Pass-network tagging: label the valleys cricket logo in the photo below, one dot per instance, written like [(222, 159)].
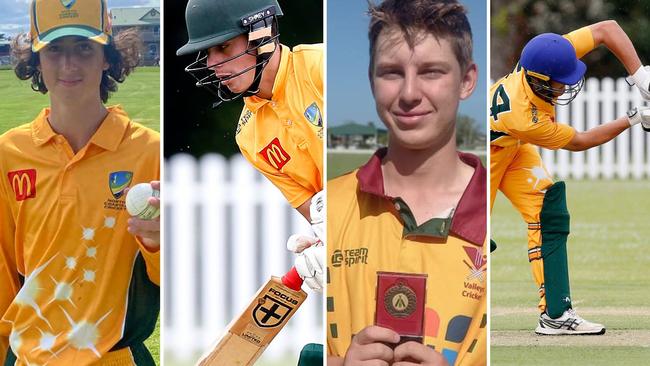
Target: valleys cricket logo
[(269, 312), (275, 155), (478, 264), (23, 182), (118, 182), (349, 257)]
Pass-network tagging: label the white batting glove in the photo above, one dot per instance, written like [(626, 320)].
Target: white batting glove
[(641, 78), (638, 115), (310, 259), (317, 213)]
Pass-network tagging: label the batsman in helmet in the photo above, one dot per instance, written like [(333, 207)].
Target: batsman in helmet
[(522, 118)]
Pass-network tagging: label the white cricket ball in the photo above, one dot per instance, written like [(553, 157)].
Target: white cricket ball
[(136, 201)]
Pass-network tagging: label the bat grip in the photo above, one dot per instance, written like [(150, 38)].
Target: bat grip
[(292, 279)]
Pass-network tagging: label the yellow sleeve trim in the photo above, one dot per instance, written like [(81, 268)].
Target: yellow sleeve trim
[(582, 40)]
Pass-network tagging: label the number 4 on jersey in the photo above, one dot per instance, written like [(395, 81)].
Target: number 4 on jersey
[(497, 108)]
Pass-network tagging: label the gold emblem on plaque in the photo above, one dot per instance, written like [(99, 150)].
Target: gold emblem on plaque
[(400, 300)]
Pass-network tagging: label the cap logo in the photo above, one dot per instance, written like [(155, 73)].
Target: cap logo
[(68, 3)]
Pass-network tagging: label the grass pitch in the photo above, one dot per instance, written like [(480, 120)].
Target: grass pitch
[(609, 271), (139, 95)]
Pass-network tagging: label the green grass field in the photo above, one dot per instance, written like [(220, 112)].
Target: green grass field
[(139, 95), (609, 271)]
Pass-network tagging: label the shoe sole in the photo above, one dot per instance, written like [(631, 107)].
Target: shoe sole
[(552, 332)]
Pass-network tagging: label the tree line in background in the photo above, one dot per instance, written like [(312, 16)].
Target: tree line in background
[(515, 22)]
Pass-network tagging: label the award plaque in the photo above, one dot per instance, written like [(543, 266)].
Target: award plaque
[(400, 301)]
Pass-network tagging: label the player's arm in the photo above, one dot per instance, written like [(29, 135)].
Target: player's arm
[(598, 135), (610, 34), (607, 131)]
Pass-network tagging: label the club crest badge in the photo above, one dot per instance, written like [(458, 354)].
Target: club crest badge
[(118, 182), (400, 300), (68, 3), (313, 115), (269, 312)]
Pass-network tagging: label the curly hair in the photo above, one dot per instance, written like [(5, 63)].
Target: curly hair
[(123, 53), (444, 19)]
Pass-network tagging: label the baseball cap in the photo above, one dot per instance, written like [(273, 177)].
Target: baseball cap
[(52, 19)]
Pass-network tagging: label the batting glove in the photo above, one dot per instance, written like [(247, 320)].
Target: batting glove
[(317, 213), (310, 259), (638, 115), (641, 78)]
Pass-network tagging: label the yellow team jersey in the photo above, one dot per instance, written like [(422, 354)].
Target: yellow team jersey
[(73, 281), (283, 137), (370, 232), (517, 115)]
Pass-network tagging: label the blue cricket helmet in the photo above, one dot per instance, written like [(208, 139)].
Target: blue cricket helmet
[(552, 55)]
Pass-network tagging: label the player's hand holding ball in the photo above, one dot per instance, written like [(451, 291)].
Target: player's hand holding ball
[(143, 204), (641, 78), (640, 115)]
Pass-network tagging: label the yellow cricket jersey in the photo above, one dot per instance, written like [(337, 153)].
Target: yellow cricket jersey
[(283, 137), (74, 283), (370, 232), (517, 115)]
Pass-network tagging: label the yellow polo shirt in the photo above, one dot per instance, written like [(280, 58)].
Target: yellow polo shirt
[(370, 232), (517, 115), (75, 283), (283, 137)]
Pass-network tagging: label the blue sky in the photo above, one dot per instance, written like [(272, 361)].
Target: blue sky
[(348, 89), (14, 16)]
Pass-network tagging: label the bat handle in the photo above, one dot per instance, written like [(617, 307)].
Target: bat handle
[(292, 279)]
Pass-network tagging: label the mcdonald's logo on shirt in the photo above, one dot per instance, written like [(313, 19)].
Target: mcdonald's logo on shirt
[(23, 183), (275, 155)]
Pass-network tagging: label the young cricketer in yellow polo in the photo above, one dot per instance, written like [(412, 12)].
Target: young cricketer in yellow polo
[(419, 205)]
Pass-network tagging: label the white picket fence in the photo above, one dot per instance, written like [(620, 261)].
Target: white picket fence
[(627, 156), (225, 234)]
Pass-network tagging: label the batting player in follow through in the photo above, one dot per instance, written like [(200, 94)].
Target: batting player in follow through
[(416, 209), (77, 286), (280, 130), (522, 117)]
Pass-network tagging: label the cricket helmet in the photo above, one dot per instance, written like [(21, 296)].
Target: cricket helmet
[(212, 22), (551, 57)]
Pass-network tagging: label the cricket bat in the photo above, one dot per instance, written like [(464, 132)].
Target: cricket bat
[(249, 334)]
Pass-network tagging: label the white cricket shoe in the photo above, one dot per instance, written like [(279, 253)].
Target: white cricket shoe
[(569, 323)]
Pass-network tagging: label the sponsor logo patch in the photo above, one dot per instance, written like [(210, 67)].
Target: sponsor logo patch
[(349, 257), (275, 155), (23, 182)]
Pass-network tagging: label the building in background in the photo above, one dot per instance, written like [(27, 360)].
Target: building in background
[(5, 49), (147, 21)]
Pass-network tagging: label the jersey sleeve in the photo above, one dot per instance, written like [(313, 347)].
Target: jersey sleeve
[(545, 133), (582, 40), (295, 194)]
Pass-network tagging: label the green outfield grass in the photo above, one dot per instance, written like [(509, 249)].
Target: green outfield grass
[(139, 95), (609, 268)]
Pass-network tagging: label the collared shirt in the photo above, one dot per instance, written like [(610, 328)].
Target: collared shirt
[(370, 232), (518, 115), (283, 137), (67, 262)]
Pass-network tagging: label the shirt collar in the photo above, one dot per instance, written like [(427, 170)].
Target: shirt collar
[(108, 136), (253, 103), (469, 219)]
